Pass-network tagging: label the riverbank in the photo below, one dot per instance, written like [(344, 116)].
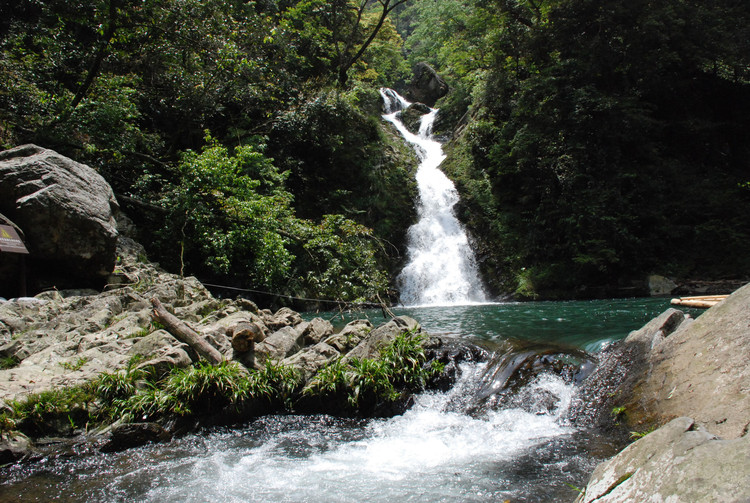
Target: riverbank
[(132, 382), (103, 367), (682, 386)]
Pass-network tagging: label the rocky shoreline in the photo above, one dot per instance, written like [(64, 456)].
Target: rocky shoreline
[(69, 339), (682, 386)]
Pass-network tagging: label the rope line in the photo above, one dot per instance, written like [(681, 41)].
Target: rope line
[(292, 297)]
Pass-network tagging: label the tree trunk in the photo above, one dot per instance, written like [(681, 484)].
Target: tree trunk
[(184, 333)]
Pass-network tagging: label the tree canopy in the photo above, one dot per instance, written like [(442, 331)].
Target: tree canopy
[(605, 140), (593, 142)]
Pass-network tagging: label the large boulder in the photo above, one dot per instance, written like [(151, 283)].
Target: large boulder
[(67, 212), (426, 85), (700, 371), (680, 463), (610, 386), (693, 373), (370, 346)]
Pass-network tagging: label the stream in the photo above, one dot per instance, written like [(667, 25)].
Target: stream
[(435, 452)]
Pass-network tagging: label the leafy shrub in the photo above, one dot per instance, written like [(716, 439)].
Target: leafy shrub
[(195, 390), (363, 382)]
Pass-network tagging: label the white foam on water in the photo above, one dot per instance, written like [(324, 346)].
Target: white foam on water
[(430, 453)]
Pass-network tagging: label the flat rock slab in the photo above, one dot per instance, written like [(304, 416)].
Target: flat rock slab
[(678, 463)]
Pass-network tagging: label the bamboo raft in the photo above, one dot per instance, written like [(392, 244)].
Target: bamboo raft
[(701, 301)]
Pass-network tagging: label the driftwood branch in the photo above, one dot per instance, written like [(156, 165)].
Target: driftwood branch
[(184, 333)]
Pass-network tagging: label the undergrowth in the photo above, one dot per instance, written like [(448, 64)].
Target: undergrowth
[(138, 394), (399, 368)]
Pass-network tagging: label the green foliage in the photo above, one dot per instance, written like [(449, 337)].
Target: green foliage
[(603, 138), (232, 212), (131, 87), (231, 209), (38, 411), (361, 383), (332, 146), (8, 362), (618, 410), (78, 365), (341, 261), (640, 434), (193, 391)]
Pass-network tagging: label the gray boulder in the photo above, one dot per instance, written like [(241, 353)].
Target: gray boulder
[(426, 85), (370, 346), (351, 335), (693, 370), (280, 344), (700, 371), (284, 317), (316, 330), (678, 463), (311, 359), (67, 213)]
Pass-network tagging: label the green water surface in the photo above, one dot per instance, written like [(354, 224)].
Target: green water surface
[(587, 325)]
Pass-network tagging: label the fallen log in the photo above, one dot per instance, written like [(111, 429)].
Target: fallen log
[(700, 301), (184, 333)]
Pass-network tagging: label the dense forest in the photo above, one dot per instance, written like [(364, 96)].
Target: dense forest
[(592, 142)]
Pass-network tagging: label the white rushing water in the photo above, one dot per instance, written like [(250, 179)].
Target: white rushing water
[(441, 269), (434, 452)]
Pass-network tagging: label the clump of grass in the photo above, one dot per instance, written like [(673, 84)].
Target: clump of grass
[(43, 412), (136, 394), (9, 362), (640, 434), (195, 390), (399, 368), (78, 365)]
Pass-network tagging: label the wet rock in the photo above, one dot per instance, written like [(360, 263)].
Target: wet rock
[(620, 366), (451, 352), (509, 373), (680, 463), (411, 117), (126, 436), (14, 446)]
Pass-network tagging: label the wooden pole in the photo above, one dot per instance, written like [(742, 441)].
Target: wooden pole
[(184, 333)]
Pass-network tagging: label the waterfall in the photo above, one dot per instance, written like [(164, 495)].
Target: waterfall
[(441, 268)]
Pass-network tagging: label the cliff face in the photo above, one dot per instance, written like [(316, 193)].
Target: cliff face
[(692, 375)]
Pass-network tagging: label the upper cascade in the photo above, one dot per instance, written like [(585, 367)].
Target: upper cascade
[(441, 268)]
